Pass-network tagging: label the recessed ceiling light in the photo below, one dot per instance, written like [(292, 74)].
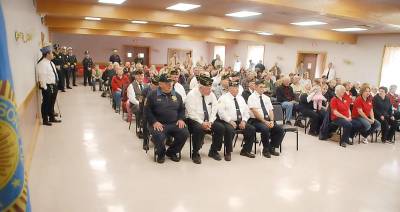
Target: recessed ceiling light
[(112, 1), (243, 14), (308, 23), (92, 18), (182, 25), (139, 22), (232, 30), (350, 29), (264, 33), (394, 25), (183, 7)]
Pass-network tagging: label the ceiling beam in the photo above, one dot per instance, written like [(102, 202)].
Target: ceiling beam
[(64, 9), (378, 13), (57, 22), (140, 35)]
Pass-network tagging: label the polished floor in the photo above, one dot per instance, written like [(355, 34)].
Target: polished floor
[(91, 162)]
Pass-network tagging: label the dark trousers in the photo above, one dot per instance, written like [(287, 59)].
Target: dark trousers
[(249, 133), (349, 128), (61, 78), (275, 133), (87, 77), (316, 119), (179, 135), (73, 73), (48, 101), (198, 133), (95, 82), (67, 74), (388, 127)]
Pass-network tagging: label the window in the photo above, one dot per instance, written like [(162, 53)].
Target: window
[(141, 55), (129, 54), (255, 54), (220, 50), (390, 73)]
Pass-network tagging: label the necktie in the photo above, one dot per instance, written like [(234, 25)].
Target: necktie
[(327, 75), (265, 112), (206, 116), (238, 114), (54, 72), (141, 87)]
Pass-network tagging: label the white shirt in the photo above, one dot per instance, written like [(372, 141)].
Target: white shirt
[(227, 109), (194, 106), (46, 74), (193, 83), (241, 89), (237, 66), (131, 95), (332, 74), (254, 103), (180, 90)]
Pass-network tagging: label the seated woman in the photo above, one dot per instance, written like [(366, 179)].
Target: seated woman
[(384, 114), (118, 82), (340, 114), (307, 109), (364, 114), (96, 77)]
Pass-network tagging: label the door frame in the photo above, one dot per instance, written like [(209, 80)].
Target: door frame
[(139, 46), (323, 63)]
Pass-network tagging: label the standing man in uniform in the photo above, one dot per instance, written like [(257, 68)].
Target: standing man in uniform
[(48, 78), (114, 58), (58, 61), (233, 113), (201, 106), (262, 118), (65, 69), (72, 66), (87, 67), (165, 114)]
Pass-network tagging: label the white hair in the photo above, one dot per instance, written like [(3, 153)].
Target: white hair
[(339, 88)]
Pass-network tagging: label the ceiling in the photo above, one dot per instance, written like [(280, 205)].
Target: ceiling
[(379, 16)]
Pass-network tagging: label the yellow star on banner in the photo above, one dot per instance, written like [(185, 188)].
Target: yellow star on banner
[(16, 183)]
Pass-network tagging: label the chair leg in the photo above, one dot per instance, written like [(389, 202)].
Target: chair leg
[(190, 145), (234, 144), (130, 123), (297, 140)]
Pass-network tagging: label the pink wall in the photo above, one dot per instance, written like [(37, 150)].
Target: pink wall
[(100, 47)]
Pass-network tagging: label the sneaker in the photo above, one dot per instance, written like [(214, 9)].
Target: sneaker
[(365, 140)]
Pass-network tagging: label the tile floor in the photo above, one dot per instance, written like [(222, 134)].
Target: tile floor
[(91, 162)]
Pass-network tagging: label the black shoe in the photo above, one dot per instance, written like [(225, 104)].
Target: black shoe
[(55, 121), (69, 87), (299, 124), (173, 157), (47, 123), (75, 85), (196, 158), (266, 154), (343, 145), (288, 123), (160, 159), (146, 146), (349, 142), (63, 90), (273, 152), (228, 157), (139, 134), (214, 155), (247, 154)]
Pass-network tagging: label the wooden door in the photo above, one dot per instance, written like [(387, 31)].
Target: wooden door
[(310, 63), (137, 53)]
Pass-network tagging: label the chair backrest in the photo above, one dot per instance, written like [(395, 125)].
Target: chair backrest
[(278, 113)]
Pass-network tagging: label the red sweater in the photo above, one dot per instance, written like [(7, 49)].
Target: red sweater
[(117, 82)]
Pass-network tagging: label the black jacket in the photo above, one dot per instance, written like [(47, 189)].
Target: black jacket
[(283, 96), (382, 107)]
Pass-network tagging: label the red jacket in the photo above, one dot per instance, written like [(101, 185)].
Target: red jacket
[(394, 100), (117, 82)]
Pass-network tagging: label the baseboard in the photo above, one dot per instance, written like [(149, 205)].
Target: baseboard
[(31, 149)]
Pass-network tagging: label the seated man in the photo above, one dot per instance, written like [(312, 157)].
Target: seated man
[(118, 82), (177, 87), (201, 107), (107, 76), (262, 118), (233, 113), (364, 114), (134, 93), (222, 88), (340, 114), (153, 86), (96, 77), (285, 95), (165, 114), (247, 92)]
